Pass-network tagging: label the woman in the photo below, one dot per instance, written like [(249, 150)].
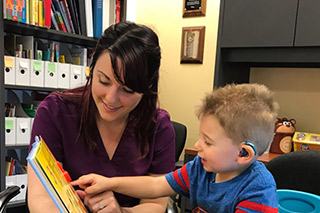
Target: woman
[(111, 126)]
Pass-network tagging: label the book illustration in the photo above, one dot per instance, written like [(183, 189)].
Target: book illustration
[(16, 10), (54, 178)]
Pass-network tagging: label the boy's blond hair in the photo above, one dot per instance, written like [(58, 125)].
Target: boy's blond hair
[(247, 112)]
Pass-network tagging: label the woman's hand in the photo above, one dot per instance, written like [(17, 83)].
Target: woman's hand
[(104, 202)]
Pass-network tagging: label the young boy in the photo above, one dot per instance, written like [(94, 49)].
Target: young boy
[(236, 126)]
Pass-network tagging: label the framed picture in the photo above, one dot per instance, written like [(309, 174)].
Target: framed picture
[(192, 8), (192, 44)]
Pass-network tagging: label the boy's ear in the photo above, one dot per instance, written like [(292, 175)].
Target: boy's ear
[(246, 154)]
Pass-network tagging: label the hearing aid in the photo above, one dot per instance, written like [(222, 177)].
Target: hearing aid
[(244, 152)]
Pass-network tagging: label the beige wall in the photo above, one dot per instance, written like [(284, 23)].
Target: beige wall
[(181, 85), (298, 92)]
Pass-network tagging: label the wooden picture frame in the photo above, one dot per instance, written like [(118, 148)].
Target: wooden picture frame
[(192, 44), (193, 8)]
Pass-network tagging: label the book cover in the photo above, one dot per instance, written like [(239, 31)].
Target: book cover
[(16, 10), (58, 9), (27, 12), (108, 11), (4, 5), (82, 18), (54, 178), (65, 17), (60, 21), (97, 18), (118, 11), (31, 12), (47, 13), (74, 16), (65, 7), (54, 22), (40, 13), (36, 12), (89, 22), (79, 55)]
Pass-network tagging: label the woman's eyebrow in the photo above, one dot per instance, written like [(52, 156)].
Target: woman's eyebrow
[(99, 71)]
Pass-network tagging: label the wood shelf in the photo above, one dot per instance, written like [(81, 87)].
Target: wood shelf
[(23, 29)]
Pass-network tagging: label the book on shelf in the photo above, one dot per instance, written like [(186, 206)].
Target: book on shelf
[(89, 22), (82, 18), (97, 17), (59, 9), (54, 21), (108, 12), (33, 12), (118, 11), (60, 21), (27, 11), (65, 9), (54, 178), (16, 10), (27, 46), (79, 55), (40, 13), (74, 15), (47, 13)]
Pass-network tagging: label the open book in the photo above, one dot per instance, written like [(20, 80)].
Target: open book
[(54, 178)]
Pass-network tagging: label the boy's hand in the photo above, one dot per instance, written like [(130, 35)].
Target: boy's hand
[(93, 183)]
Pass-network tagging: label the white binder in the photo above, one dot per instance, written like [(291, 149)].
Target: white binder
[(21, 181), (10, 131), (63, 76), (11, 181), (9, 70), (23, 71), (23, 131), (75, 75), (50, 76), (37, 73)]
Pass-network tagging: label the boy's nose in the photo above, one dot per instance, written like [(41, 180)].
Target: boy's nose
[(197, 145)]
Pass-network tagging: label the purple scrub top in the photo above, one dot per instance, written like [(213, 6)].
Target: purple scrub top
[(56, 121)]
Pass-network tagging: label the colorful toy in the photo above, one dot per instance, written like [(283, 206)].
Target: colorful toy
[(283, 133), (306, 141)]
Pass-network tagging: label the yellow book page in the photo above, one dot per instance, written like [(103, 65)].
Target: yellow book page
[(65, 191)]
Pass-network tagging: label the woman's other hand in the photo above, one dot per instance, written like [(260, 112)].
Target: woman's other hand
[(104, 202)]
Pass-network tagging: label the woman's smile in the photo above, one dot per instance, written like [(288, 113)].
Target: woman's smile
[(111, 108)]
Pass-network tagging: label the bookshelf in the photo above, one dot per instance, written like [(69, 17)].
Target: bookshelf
[(22, 29), (19, 28)]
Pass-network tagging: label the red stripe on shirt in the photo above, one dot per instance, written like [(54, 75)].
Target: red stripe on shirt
[(240, 211), (185, 175), (257, 207), (179, 181)]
